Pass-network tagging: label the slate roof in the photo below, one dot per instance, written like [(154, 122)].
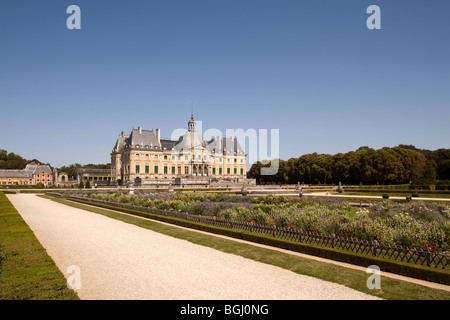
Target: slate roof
[(15, 173), (167, 144), (28, 172), (120, 144), (37, 168), (225, 145), (190, 139), (145, 139)]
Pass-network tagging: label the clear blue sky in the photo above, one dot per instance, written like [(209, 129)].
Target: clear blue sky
[(311, 69)]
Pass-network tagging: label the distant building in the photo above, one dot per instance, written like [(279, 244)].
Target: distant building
[(33, 174), (142, 157), (96, 177)]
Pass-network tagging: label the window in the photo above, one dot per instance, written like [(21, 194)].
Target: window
[(165, 157), (156, 169), (147, 169), (165, 169), (242, 171), (186, 158), (186, 170), (173, 170), (228, 170), (235, 170), (220, 170), (137, 169), (156, 157), (146, 157), (137, 156), (214, 171)]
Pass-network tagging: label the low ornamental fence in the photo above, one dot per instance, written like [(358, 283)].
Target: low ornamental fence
[(417, 256)]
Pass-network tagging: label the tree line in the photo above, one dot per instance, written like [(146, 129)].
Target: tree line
[(397, 165), (10, 160)]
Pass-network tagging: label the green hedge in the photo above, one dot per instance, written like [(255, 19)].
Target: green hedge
[(386, 265)]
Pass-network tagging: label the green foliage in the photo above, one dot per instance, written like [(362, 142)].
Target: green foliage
[(407, 269), (402, 164), (11, 160), (413, 224)]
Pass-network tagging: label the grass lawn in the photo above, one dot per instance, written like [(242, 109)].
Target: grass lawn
[(26, 270), (390, 288)]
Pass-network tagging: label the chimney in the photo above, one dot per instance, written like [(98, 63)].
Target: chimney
[(158, 136), (140, 130)]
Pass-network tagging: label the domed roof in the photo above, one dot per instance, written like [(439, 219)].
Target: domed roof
[(189, 140)]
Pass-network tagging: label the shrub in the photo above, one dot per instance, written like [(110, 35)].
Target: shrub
[(385, 196), (415, 223)]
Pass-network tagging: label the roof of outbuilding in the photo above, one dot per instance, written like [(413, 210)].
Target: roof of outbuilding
[(15, 173), (28, 172)]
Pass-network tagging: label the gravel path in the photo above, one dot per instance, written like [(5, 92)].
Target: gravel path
[(122, 261)]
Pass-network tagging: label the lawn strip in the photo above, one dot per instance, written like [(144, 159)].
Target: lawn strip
[(27, 272)]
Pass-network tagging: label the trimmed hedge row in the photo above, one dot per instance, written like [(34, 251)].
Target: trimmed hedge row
[(386, 265)]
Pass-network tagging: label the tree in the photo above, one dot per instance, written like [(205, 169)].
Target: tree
[(443, 169), (389, 168), (3, 155), (340, 168), (81, 185), (400, 164)]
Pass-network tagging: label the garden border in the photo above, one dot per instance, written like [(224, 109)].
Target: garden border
[(387, 265)]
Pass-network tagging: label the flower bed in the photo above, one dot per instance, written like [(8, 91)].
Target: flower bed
[(413, 224)]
